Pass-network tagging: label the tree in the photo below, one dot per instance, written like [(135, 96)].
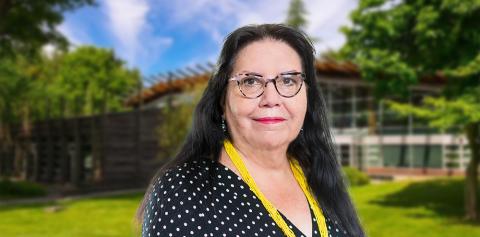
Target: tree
[(395, 43), (90, 80), (17, 91), (26, 26), (296, 15), (86, 81), (33, 87)]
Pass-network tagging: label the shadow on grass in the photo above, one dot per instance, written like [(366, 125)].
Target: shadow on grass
[(29, 206), (128, 196), (445, 197), (66, 202)]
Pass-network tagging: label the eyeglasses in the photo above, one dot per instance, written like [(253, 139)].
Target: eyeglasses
[(252, 85)]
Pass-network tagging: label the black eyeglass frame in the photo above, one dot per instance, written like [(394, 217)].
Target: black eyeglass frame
[(266, 81)]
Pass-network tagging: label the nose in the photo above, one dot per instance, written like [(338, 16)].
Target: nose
[(270, 96)]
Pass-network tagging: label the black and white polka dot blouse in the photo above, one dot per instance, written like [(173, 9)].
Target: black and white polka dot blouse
[(206, 198)]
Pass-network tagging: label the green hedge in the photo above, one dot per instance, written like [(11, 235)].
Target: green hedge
[(355, 177), (20, 189)]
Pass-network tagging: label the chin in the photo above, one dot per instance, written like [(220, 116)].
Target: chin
[(272, 141)]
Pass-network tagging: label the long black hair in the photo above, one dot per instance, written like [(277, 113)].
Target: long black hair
[(313, 148)]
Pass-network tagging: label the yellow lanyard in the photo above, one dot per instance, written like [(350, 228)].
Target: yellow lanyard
[(299, 176)]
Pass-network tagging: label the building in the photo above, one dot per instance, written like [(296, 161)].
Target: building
[(367, 133), (373, 138)]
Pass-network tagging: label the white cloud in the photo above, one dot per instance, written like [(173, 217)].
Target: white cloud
[(75, 35), (74, 32), (150, 50), (218, 18), (134, 25), (134, 36), (325, 19), (127, 18)]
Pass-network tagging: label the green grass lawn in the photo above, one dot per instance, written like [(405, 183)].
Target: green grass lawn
[(429, 208), (92, 217)]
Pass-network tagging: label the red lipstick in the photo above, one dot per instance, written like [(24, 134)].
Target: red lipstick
[(270, 120)]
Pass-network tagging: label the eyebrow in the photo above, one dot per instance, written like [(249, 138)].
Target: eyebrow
[(258, 74), (251, 73), (290, 72)]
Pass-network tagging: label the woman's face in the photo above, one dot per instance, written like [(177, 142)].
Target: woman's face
[(269, 121)]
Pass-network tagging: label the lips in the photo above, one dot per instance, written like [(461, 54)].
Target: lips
[(269, 120)]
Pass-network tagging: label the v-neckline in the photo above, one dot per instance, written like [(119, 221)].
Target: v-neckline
[(239, 178), (311, 220)]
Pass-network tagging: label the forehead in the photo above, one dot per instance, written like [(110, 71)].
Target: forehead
[(267, 56)]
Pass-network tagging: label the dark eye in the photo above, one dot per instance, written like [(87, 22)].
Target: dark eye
[(288, 80), (251, 81)]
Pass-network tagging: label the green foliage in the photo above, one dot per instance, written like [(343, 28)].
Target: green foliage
[(395, 44), (85, 81), (355, 177), (15, 82), (176, 120), (296, 15), (90, 80), (442, 113), (26, 26), (17, 94), (331, 55), (174, 127), (20, 189)]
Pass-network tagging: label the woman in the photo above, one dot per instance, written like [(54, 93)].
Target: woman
[(259, 159)]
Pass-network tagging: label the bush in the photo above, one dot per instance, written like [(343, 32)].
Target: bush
[(176, 120), (355, 177), (20, 189)]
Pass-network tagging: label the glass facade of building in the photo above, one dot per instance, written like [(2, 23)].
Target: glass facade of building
[(369, 134)]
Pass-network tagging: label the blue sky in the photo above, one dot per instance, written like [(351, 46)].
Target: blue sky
[(157, 36)]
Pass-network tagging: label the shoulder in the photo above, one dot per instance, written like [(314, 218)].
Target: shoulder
[(177, 196), (186, 174), (189, 175)]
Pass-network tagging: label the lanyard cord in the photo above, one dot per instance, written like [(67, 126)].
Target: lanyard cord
[(299, 176)]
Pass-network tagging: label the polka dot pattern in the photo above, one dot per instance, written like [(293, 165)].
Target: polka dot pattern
[(205, 198)]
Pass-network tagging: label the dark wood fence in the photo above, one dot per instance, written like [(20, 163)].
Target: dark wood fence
[(110, 151)]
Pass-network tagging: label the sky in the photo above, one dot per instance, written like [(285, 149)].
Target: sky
[(159, 36)]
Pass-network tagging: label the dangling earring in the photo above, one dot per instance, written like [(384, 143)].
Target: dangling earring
[(224, 127), (301, 131)]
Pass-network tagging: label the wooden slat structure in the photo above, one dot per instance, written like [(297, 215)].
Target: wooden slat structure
[(111, 151), (180, 80)]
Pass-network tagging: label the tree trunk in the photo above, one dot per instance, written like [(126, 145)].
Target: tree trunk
[(471, 180), (5, 148)]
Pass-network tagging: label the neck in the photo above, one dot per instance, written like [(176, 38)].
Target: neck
[(266, 161)]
